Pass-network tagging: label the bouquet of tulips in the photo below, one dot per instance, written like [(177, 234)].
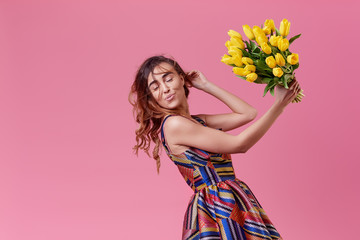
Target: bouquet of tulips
[(267, 60)]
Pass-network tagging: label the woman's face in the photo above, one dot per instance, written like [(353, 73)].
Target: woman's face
[(167, 86)]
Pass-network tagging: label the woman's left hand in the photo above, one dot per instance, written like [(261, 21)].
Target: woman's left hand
[(199, 81)]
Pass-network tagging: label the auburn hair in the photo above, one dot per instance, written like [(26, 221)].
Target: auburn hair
[(147, 112)]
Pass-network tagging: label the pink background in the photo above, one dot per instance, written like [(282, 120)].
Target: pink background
[(67, 170)]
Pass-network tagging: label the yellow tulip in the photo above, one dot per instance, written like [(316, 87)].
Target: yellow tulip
[(237, 60), (240, 71), (261, 39), (293, 59), (248, 32), (233, 33), (251, 77), (227, 59), (250, 68), (270, 61), (279, 59), (283, 44), (247, 61), (237, 42), (266, 48), (266, 30), (228, 44), (277, 72), (284, 27), (274, 40), (270, 24), (258, 31), (234, 51)]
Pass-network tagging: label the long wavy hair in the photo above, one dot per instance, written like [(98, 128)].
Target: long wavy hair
[(147, 112)]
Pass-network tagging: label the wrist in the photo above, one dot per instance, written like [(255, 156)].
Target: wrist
[(208, 87), (279, 106)]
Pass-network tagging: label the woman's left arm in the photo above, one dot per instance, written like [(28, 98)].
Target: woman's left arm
[(242, 111)]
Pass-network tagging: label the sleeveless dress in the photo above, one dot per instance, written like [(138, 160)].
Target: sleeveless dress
[(222, 206)]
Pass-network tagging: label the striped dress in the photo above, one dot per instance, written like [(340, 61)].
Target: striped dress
[(222, 206)]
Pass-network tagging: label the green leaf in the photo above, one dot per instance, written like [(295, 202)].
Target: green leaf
[(294, 38), (248, 46), (295, 66), (259, 80), (274, 50), (266, 80), (265, 91), (261, 65), (245, 53), (286, 69), (286, 79), (255, 56), (271, 85), (268, 74), (277, 32), (283, 54), (240, 77), (267, 88), (263, 56), (272, 91), (253, 45)]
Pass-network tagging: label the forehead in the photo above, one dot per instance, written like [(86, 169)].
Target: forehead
[(160, 69)]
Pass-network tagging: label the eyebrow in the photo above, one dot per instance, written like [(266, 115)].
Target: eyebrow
[(163, 76)]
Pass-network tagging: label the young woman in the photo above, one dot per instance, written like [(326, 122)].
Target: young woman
[(222, 206)]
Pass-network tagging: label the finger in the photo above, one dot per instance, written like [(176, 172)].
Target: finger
[(189, 85), (292, 86), (296, 86), (193, 73)]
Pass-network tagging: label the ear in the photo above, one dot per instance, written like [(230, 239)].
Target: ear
[(182, 80)]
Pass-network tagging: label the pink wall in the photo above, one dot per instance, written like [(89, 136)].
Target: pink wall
[(67, 170)]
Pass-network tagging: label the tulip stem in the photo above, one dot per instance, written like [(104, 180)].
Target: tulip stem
[(298, 97)]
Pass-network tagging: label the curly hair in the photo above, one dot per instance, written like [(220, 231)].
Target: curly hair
[(147, 112)]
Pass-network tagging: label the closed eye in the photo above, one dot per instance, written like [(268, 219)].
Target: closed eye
[(154, 86)]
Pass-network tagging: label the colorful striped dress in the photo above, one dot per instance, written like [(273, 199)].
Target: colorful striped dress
[(222, 206)]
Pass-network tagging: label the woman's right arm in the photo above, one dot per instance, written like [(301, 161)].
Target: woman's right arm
[(181, 131)]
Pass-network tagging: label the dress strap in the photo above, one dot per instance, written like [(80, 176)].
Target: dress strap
[(167, 149), (198, 119)]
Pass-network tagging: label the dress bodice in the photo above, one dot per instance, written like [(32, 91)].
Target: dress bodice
[(198, 167)]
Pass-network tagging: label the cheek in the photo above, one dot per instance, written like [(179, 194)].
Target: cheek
[(156, 97)]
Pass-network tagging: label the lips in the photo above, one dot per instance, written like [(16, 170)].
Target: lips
[(169, 97)]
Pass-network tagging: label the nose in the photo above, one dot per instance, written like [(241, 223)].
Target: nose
[(166, 88)]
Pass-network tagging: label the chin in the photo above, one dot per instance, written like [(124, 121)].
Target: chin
[(171, 106)]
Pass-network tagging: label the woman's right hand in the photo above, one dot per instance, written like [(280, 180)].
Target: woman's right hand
[(198, 79), (285, 96)]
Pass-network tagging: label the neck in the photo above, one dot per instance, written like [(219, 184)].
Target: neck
[(184, 110)]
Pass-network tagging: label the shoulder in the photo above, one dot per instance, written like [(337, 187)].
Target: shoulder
[(175, 122), (176, 125)]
